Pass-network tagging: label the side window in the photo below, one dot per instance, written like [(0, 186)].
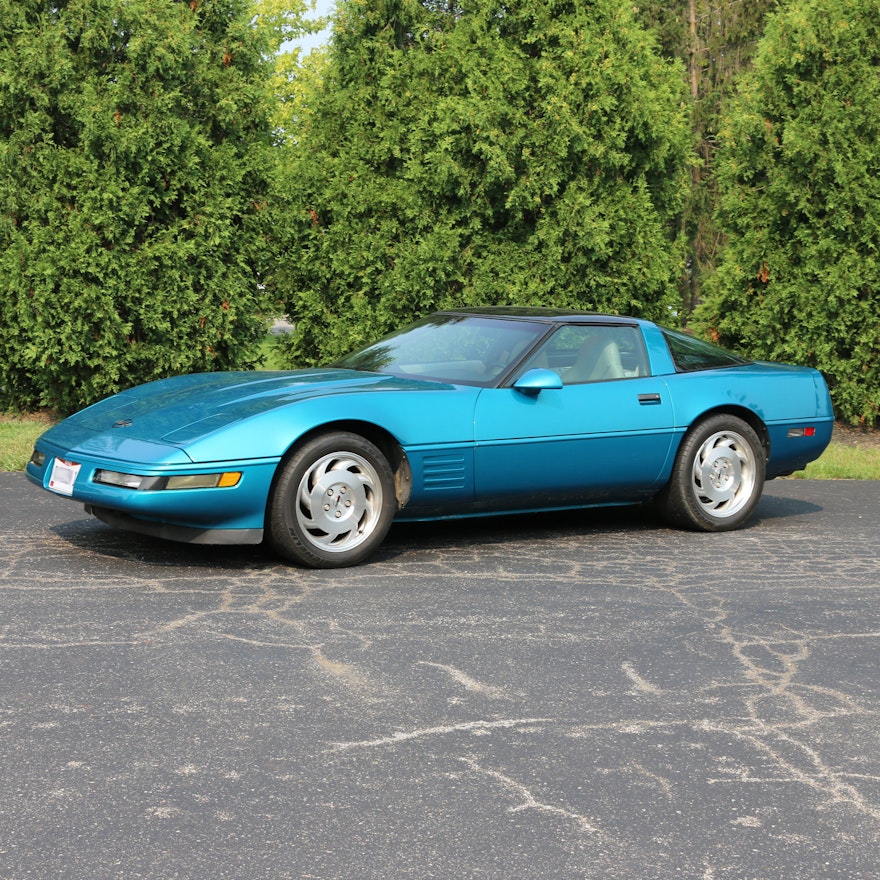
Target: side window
[(592, 353), (691, 354)]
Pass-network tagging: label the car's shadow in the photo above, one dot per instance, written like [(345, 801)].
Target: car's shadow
[(522, 528), (782, 507), (94, 537), (91, 536)]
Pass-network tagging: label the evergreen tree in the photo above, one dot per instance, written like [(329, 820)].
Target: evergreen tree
[(477, 153), (799, 172), (715, 40), (134, 139)]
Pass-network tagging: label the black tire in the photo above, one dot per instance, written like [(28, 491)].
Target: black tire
[(718, 476), (332, 503)]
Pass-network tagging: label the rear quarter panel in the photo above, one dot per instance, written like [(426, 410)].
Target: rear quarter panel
[(784, 398)]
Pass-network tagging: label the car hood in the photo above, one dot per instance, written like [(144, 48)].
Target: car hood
[(185, 408)]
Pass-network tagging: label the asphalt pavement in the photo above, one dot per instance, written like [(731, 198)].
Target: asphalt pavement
[(578, 695)]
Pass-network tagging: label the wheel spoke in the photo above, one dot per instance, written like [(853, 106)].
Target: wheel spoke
[(339, 501), (724, 474)]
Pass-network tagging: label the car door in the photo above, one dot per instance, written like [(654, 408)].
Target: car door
[(603, 436)]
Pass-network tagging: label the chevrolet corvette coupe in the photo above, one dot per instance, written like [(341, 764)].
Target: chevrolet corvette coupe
[(464, 413)]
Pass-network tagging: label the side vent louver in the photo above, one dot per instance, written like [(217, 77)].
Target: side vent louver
[(444, 472)]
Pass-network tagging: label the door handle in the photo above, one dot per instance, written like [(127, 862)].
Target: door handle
[(649, 399)]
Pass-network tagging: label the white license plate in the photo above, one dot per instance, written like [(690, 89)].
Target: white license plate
[(64, 474)]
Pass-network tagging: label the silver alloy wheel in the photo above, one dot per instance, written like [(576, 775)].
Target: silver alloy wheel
[(339, 501), (724, 474)]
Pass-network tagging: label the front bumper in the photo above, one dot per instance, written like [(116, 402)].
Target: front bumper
[(229, 514), (186, 534)]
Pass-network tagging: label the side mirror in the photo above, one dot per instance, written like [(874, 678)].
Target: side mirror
[(536, 381)]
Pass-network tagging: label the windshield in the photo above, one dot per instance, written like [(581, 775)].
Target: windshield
[(463, 350)]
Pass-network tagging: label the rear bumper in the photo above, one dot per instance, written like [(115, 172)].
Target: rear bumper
[(790, 451)]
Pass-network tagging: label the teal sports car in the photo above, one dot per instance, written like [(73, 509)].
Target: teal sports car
[(464, 413)]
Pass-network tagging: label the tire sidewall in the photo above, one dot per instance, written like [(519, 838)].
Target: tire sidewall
[(682, 506), (285, 532)]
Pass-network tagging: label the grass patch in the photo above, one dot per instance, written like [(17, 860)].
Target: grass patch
[(842, 461), (17, 436), (272, 354)]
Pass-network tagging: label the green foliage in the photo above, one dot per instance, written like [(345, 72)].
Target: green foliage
[(800, 178), (471, 153), (134, 172), (283, 21), (715, 40)]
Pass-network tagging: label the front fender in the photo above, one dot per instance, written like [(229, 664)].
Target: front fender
[(418, 418)]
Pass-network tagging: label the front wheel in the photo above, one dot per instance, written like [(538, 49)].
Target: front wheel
[(333, 502), (718, 476)]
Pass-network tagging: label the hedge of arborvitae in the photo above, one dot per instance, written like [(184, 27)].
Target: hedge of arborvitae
[(134, 140), (799, 171), (474, 154), (159, 173)]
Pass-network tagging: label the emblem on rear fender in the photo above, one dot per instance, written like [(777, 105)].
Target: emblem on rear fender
[(122, 423)]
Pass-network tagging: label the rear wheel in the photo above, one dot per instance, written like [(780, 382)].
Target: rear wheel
[(718, 476), (333, 502)]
